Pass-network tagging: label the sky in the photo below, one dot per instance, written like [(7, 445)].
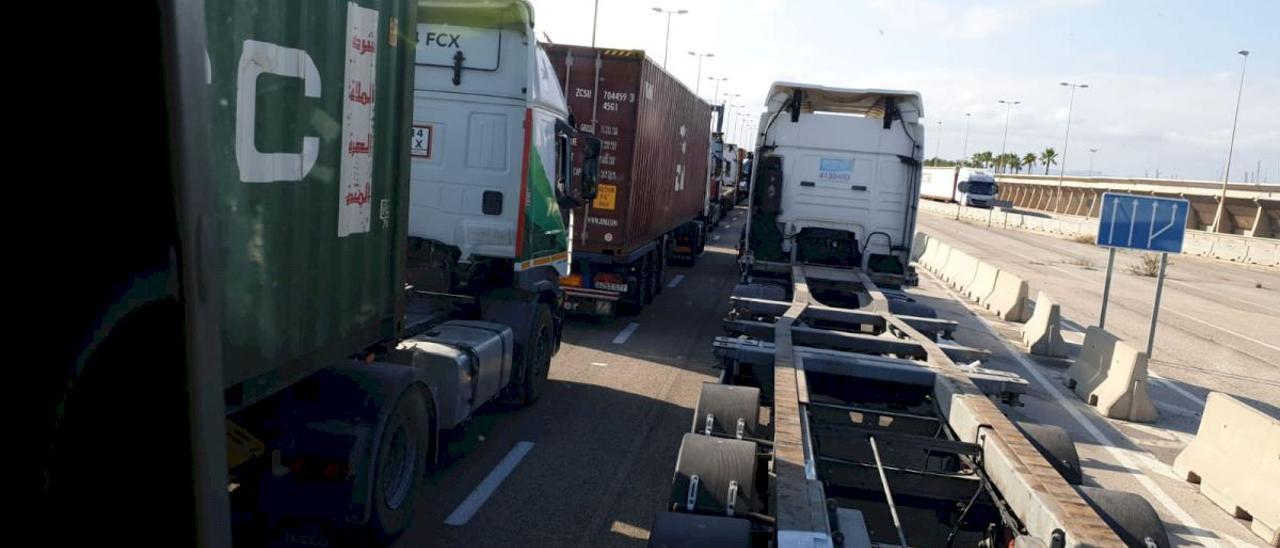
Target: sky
[(1163, 75)]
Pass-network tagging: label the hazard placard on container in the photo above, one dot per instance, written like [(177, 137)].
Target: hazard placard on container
[(606, 196), (420, 140)]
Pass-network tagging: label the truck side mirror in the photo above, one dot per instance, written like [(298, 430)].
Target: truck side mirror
[(797, 97), (963, 186), (565, 169), (590, 168)]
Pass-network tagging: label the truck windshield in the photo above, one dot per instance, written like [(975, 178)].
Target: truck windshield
[(981, 187)]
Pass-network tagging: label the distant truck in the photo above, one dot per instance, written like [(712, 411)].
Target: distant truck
[(371, 226), (964, 186), (650, 208), (725, 171)]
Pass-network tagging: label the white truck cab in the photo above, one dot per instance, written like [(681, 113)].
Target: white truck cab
[(491, 139), (836, 181), (976, 188)]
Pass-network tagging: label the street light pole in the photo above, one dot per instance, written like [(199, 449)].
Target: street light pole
[(716, 97), (595, 13), (964, 154), (1008, 111), (1092, 152), (1062, 167), (1226, 174), (666, 44), (937, 145), (697, 80)]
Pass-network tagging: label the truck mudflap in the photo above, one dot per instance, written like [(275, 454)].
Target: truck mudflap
[(600, 302)]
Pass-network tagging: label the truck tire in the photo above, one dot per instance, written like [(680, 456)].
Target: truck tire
[(1129, 515), (717, 463), (702, 241), (679, 530), (727, 404), (534, 358), (646, 279), (660, 263), (403, 454), (1055, 444)]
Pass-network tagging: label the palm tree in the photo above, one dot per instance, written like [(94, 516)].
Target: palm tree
[(1015, 162), (1048, 158), (982, 159), (1029, 160)]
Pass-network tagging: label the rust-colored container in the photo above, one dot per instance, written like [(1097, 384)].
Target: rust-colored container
[(655, 135)]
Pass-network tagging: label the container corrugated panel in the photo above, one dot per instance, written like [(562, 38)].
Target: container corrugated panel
[(309, 153), (655, 137)]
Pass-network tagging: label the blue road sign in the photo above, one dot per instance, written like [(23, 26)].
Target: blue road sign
[(1142, 222)]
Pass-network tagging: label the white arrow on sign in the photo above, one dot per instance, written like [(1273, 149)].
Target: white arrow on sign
[(1152, 232)]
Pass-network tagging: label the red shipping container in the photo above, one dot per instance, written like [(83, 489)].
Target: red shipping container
[(655, 138)]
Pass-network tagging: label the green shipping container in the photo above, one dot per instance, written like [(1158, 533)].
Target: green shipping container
[(311, 107)]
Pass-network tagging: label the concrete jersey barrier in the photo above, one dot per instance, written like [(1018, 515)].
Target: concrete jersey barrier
[(1235, 458), (960, 266), (940, 258), (1043, 332), (1008, 299), (984, 282), (1111, 375), (919, 245)]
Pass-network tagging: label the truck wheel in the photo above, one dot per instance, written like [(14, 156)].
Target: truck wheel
[(535, 358), (1129, 515), (725, 472), (646, 280), (660, 265), (726, 404), (402, 461), (1055, 444)]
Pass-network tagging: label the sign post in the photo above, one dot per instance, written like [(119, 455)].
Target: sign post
[(1144, 223)]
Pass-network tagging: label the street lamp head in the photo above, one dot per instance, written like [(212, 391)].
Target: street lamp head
[(709, 54), (659, 10), (1064, 84), (1082, 86), (1243, 52), (682, 12)]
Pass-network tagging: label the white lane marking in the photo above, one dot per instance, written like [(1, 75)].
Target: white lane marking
[(626, 333), (1166, 435), (600, 364), (1238, 542), (1175, 409), (1229, 332), (675, 281), (1124, 456), (1180, 390), (467, 510), (716, 237)]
